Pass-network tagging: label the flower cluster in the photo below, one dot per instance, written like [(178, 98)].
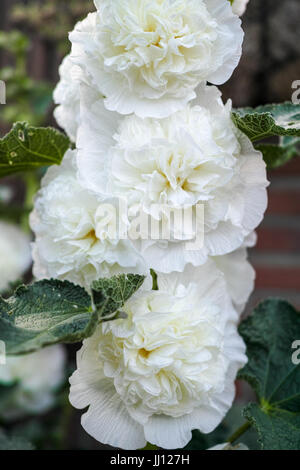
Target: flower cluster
[(153, 140)]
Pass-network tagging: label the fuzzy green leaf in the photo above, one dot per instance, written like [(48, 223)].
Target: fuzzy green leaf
[(277, 430), (45, 313), (269, 335), (268, 121), (50, 312), (117, 290), (27, 148), (278, 155)]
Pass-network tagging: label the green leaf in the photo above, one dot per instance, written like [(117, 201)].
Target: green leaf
[(268, 121), (50, 312), (27, 148), (277, 430), (278, 155), (117, 290), (45, 313), (269, 334), (14, 442)]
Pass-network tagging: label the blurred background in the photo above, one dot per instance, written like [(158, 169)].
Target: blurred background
[(33, 41)]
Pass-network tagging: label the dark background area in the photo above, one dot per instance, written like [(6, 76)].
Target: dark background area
[(269, 65)]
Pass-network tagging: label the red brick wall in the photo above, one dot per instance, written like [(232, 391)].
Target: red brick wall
[(277, 255)]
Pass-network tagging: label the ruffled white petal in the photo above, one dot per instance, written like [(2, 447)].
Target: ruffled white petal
[(239, 276), (107, 419), (239, 6)]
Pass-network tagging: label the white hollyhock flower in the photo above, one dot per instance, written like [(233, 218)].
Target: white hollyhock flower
[(196, 156), (167, 369), (75, 231), (15, 257), (37, 376), (147, 57), (239, 6)]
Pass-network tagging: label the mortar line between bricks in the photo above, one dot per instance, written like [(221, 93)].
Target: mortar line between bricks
[(275, 259)]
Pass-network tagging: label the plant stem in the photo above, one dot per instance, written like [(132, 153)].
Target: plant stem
[(154, 278), (32, 186), (239, 432), (66, 414)]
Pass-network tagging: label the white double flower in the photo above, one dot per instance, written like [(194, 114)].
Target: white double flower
[(148, 58), (165, 370)]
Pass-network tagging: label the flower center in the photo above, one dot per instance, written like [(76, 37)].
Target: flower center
[(144, 353), (91, 236), (175, 173)]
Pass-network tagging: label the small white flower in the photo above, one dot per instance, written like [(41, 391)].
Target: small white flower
[(239, 6), (167, 369), (148, 58), (15, 256), (36, 375), (195, 156), (74, 228)]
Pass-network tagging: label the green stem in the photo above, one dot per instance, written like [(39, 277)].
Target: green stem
[(66, 414), (239, 432), (154, 278), (32, 187)]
